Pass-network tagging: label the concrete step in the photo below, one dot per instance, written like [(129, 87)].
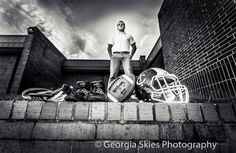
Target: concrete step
[(90, 126)]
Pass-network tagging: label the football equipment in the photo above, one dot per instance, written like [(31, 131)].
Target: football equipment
[(157, 85)]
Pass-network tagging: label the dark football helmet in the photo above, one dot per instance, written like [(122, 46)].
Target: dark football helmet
[(157, 85)]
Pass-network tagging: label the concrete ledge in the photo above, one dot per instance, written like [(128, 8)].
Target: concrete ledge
[(119, 112), (109, 131), (75, 130)]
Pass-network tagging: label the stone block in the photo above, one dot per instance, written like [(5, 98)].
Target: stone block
[(171, 131), (231, 132), (209, 112), (127, 132), (49, 111), (113, 111), (130, 111), (98, 111), (65, 131), (189, 133), (211, 132), (16, 130), (34, 109), (81, 111), (2, 146), (226, 112), (65, 111), (145, 112), (5, 109), (162, 112), (13, 147), (194, 112), (178, 112), (19, 109)]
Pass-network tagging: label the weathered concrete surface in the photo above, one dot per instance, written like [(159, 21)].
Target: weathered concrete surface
[(70, 131)]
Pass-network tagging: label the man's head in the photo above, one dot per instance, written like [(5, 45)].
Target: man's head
[(121, 26)]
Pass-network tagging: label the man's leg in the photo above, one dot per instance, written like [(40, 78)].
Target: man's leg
[(114, 67), (126, 63)]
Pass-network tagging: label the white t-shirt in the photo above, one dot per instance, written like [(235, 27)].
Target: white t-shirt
[(121, 42)]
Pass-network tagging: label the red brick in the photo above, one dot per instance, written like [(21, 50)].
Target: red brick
[(130, 111), (65, 111), (98, 111), (65, 131), (209, 112), (162, 112), (17, 130), (5, 109), (49, 111), (81, 111), (178, 112), (34, 109), (127, 131), (226, 112), (19, 109), (113, 111), (194, 112), (145, 112)]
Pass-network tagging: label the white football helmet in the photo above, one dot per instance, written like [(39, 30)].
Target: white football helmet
[(157, 85)]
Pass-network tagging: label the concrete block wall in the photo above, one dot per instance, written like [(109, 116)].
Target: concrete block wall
[(87, 126), (198, 41)]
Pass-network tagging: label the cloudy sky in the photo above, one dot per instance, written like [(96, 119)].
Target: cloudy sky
[(80, 29)]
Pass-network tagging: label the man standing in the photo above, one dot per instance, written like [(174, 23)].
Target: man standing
[(119, 51)]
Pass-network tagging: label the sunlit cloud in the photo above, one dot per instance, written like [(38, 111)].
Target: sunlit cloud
[(75, 30)]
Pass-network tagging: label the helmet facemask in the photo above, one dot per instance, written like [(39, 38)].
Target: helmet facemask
[(168, 89)]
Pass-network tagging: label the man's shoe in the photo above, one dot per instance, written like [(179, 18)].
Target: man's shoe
[(97, 92), (79, 93)]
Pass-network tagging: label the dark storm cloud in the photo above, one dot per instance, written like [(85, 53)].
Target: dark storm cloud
[(80, 28), (83, 11)]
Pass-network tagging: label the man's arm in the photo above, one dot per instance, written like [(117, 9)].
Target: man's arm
[(133, 50), (109, 49)]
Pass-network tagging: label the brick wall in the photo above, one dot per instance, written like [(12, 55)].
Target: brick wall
[(199, 46), (80, 126), (43, 68), (11, 47), (7, 65)]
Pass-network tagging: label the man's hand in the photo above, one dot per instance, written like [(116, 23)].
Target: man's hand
[(109, 50), (133, 50)]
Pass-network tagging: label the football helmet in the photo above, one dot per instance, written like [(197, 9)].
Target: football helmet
[(157, 85)]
